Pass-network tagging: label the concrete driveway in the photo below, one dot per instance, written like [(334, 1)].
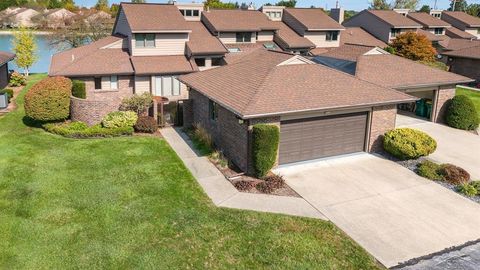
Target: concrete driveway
[(455, 146), (390, 211)]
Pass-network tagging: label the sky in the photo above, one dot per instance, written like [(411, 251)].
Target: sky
[(347, 4)]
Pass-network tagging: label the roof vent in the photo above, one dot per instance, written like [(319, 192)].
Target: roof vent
[(73, 57)]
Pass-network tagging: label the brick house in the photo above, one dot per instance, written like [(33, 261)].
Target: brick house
[(316, 118), (465, 61), (5, 57)]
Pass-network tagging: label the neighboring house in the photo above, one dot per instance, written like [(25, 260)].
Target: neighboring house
[(465, 61), (383, 24), (358, 36), (55, 18), (315, 25), (317, 118), (454, 32), (452, 44), (98, 15), (5, 57), (190, 11), (463, 21), (20, 17), (432, 27), (274, 13)]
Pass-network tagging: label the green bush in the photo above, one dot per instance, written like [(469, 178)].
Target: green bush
[(78, 89), (476, 185), (17, 79), (119, 119), (454, 174), (137, 103), (467, 189), (146, 124), (9, 92), (430, 170), (202, 138), (265, 147), (462, 114), (407, 143), (82, 130), (49, 99)]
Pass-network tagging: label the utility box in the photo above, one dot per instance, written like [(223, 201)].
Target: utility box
[(3, 101)]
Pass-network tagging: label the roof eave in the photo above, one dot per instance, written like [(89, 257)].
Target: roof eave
[(404, 87), (77, 75), (160, 31)]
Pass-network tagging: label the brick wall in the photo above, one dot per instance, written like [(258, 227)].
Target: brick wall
[(444, 95), (382, 120), (100, 102), (3, 76), (465, 67), (228, 134)]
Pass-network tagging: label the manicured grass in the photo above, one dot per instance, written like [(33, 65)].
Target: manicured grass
[(130, 203), (473, 95)]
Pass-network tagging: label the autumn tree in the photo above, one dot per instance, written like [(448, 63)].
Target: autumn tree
[(414, 46), (102, 5), (407, 4), (25, 47), (379, 4)]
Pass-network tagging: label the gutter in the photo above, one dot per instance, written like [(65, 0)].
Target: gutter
[(430, 85)]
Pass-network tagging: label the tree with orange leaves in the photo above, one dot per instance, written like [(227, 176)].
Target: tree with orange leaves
[(414, 46)]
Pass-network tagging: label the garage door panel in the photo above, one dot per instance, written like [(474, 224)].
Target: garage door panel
[(311, 138)]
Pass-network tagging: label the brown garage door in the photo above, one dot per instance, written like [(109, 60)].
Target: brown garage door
[(311, 138)]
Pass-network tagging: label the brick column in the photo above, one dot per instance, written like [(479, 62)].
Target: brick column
[(382, 120), (444, 96)]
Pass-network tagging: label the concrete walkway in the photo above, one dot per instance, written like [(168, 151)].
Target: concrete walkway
[(223, 193)]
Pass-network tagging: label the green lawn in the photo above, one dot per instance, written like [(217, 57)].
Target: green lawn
[(130, 203), (473, 95)]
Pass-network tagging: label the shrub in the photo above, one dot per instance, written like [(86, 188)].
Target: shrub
[(9, 92), (201, 135), (137, 103), (430, 170), (219, 158), (476, 185), (264, 187), (407, 143), (264, 147), (275, 181), (119, 119), (244, 185), (49, 99), (467, 189), (146, 124), (454, 174), (81, 130), (17, 79), (78, 89), (461, 113)]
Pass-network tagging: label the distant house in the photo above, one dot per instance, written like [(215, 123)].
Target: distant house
[(5, 57), (432, 27), (57, 18), (98, 15), (463, 21), (20, 17), (385, 25), (465, 61)]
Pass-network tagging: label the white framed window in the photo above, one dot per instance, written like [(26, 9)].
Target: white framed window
[(394, 32), (145, 40), (114, 82), (332, 36), (438, 31), (167, 86)]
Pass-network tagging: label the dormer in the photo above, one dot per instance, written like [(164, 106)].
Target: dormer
[(190, 11), (402, 11), (274, 13)]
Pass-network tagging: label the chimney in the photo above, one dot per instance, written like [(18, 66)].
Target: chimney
[(338, 14)]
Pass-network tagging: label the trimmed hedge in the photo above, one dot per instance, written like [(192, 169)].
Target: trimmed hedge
[(462, 114), (49, 99), (430, 170), (82, 130), (407, 143), (9, 92), (78, 89), (120, 119), (264, 147), (146, 124)]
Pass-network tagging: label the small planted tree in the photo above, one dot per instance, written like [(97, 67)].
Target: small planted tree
[(25, 47), (137, 103), (414, 46), (265, 148)]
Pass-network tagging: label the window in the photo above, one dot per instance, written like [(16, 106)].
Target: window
[(188, 13), (98, 83), (167, 86), (196, 13), (234, 50), (332, 36), (145, 40), (113, 82), (278, 14), (438, 31), (243, 37), (217, 61), (213, 110), (270, 46), (200, 62), (395, 32)]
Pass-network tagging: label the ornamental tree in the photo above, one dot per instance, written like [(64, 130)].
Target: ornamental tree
[(414, 46), (25, 47)]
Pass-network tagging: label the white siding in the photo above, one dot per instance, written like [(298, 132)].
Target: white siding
[(319, 39), (371, 24), (230, 37), (165, 44), (265, 36), (142, 84), (473, 31)]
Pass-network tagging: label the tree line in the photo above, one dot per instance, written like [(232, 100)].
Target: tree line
[(458, 5)]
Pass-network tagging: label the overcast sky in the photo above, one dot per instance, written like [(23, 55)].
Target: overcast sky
[(348, 4)]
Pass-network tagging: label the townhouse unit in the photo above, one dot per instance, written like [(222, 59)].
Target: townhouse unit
[(5, 57), (463, 21), (432, 27)]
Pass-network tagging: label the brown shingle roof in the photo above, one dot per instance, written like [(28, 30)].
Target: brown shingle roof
[(454, 32), (347, 52), (397, 72), (91, 60), (289, 39), (463, 18), (458, 43), (6, 57), (154, 17), (470, 52), (233, 20), (164, 64), (313, 19), (394, 19), (260, 86), (427, 20), (358, 36), (202, 41)]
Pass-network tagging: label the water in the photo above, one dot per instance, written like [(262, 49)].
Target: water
[(44, 53)]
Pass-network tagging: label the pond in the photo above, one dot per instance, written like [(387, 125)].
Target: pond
[(44, 52)]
